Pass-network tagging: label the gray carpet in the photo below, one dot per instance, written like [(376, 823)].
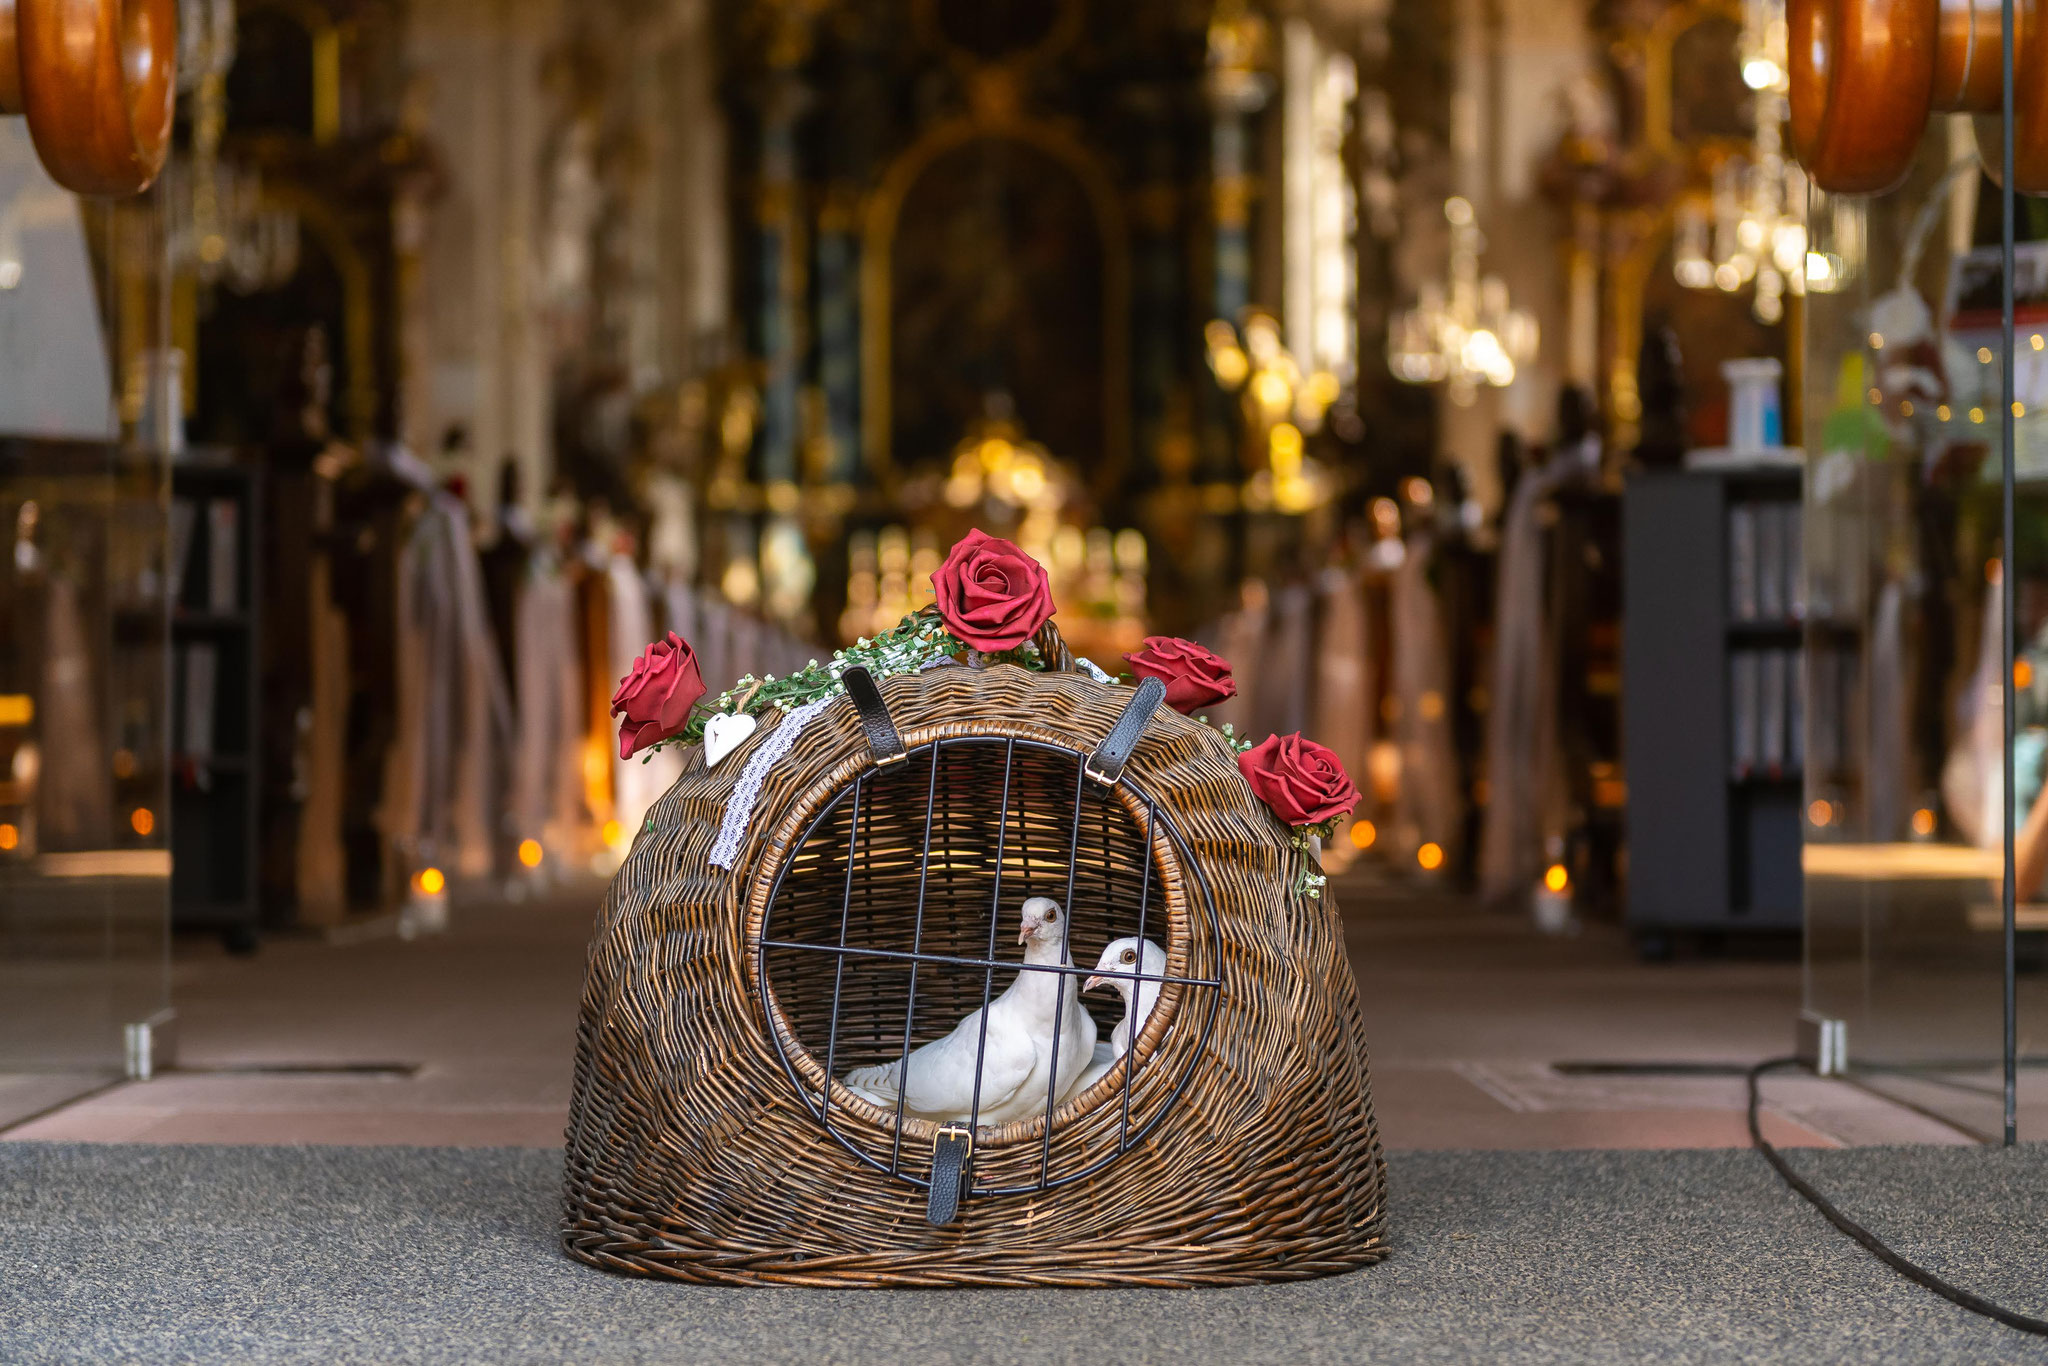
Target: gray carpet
[(331, 1255)]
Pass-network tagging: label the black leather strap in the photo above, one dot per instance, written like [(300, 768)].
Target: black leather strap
[(949, 1174), (1106, 764), (883, 741)]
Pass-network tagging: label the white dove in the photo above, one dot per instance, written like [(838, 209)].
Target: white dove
[(937, 1080), (1122, 956)]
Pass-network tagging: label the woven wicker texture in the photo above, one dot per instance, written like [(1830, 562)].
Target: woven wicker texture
[(692, 1154)]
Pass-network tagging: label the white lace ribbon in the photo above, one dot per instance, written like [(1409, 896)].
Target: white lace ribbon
[(739, 807)]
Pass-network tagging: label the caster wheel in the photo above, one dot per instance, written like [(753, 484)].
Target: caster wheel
[(95, 81), (1866, 74)]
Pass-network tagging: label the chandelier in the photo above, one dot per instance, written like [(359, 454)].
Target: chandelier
[(1462, 331), (222, 228), (1752, 225)]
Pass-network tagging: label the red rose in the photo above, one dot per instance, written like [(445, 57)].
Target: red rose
[(992, 595), (1301, 780), (655, 699), (1194, 677)]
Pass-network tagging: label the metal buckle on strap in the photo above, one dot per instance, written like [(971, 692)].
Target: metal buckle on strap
[(1096, 775), (952, 1150)]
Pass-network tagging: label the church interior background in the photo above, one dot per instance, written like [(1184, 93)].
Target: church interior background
[(463, 348)]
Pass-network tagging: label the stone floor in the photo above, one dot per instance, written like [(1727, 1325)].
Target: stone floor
[(466, 1038)]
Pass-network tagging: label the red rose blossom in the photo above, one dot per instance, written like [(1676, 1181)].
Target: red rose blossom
[(991, 595), (1194, 677), (1302, 781), (655, 699)]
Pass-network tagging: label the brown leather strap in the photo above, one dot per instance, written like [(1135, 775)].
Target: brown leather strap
[(949, 1174), (883, 741), (1106, 764)]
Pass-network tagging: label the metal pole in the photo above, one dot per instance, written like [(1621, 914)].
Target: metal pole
[(2006, 394)]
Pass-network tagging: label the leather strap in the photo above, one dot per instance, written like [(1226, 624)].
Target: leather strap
[(883, 741), (949, 1173), (1106, 764)]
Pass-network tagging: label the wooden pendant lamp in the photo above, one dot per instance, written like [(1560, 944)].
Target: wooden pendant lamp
[(97, 79), (1867, 74)]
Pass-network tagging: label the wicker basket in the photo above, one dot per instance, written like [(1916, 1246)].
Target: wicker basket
[(1234, 1143)]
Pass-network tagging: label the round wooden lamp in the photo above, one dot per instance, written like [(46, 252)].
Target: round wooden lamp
[(97, 80), (1867, 74)]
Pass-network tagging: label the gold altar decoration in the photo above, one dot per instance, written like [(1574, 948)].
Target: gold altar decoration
[(1281, 408)]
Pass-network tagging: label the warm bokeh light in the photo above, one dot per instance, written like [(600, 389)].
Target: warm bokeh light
[(1271, 391), (611, 832), (2022, 673), (9, 836), (1363, 833), (1383, 767), (1430, 856), (530, 853), (142, 820), (1923, 822), (1556, 878), (1821, 812), (1285, 443), (17, 709), (430, 882)]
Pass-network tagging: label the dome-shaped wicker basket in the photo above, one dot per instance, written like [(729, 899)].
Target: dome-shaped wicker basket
[(704, 1144)]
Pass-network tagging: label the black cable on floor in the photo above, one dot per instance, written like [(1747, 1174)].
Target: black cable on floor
[(1919, 1275)]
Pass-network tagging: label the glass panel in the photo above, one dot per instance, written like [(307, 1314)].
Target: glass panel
[(84, 757), (1904, 853)]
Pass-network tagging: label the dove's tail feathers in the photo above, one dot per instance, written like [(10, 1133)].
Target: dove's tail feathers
[(878, 1083)]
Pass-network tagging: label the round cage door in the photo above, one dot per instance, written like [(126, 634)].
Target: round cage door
[(953, 934)]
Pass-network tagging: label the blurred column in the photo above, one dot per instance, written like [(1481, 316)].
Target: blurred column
[(780, 258)]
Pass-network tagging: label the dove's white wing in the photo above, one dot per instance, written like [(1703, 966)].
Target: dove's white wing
[(938, 1081), (941, 1075)]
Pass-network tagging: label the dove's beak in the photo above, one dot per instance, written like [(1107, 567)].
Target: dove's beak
[(1024, 935), (1094, 982)]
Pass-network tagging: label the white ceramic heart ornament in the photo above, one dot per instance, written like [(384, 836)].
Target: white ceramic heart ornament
[(723, 733)]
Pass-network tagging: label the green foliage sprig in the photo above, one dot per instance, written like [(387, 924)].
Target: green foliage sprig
[(1311, 880), (1229, 733), (917, 641)]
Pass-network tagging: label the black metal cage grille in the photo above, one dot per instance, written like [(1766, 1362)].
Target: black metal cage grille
[(896, 916)]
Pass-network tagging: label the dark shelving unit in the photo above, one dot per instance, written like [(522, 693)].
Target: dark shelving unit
[(1714, 825), (214, 739)]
